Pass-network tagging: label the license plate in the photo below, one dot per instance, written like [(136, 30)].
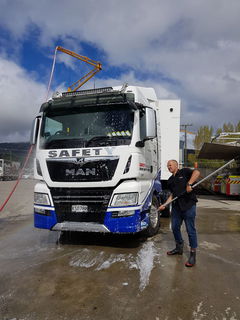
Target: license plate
[(79, 208)]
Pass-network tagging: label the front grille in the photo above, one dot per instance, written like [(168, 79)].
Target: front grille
[(95, 200), (82, 169)]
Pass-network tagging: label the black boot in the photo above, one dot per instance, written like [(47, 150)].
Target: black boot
[(192, 259), (177, 250)]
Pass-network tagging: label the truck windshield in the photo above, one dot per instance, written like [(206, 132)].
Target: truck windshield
[(86, 127)]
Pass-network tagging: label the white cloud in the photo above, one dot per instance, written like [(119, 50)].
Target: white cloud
[(130, 78), (192, 48), (21, 96), (20, 99)]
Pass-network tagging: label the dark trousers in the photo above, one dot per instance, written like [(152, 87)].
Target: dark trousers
[(188, 216)]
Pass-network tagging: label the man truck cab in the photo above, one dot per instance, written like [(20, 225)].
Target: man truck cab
[(100, 158)]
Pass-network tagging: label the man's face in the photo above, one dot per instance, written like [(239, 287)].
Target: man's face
[(172, 166)]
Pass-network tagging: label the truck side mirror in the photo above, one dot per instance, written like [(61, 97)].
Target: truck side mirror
[(148, 128), (151, 130), (34, 131)]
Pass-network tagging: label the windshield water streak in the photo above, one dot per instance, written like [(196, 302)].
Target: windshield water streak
[(86, 127)]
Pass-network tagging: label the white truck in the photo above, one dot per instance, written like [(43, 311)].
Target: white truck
[(101, 159)]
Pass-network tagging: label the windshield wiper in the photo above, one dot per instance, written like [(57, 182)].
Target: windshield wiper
[(101, 140), (64, 143)]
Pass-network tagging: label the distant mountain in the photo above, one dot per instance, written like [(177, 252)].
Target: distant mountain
[(16, 151)]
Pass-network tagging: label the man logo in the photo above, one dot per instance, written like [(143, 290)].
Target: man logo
[(80, 172), (79, 160), (75, 161)]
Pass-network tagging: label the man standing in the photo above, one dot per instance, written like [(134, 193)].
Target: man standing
[(183, 208)]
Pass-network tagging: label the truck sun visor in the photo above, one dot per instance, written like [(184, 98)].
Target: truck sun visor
[(111, 98)]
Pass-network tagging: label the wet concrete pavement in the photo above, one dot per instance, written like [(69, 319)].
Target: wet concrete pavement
[(45, 275)]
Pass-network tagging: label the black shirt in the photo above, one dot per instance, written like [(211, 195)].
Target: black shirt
[(177, 185)]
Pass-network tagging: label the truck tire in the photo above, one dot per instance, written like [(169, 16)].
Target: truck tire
[(163, 197), (154, 218)]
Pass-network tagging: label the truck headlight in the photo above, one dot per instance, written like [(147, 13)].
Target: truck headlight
[(41, 198), (124, 199)]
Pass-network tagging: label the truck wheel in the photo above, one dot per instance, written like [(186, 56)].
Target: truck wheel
[(154, 218)]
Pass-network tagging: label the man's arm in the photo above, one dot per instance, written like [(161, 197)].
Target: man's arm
[(195, 175), (163, 206)]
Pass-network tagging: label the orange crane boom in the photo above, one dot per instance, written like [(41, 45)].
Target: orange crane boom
[(97, 67)]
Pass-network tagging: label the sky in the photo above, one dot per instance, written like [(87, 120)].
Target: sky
[(187, 50)]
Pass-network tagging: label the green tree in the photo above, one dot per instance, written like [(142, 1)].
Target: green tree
[(218, 131), (237, 127), (228, 127), (204, 134)]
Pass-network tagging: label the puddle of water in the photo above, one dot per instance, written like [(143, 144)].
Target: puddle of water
[(143, 261), (209, 245), (200, 314)]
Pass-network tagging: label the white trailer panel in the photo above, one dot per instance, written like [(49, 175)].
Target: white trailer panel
[(168, 124)]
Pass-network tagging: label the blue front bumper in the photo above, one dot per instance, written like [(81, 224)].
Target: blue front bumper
[(130, 224)]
